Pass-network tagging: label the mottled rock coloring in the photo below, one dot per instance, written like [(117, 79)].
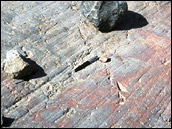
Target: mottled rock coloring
[(104, 15)]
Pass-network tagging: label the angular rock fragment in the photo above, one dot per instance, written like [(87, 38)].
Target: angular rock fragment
[(104, 15), (104, 59), (121, 87), (122, 98), (15, 65)]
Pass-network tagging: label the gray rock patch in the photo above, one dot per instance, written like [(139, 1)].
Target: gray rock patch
[(104, 15)]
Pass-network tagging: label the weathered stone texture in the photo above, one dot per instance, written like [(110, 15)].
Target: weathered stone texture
[(133, 89), (104, 15)]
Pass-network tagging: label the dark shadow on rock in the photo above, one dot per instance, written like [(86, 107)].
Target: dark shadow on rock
[(7, 121), (131, 20), (85, 64), (108, 60), (37, 70)]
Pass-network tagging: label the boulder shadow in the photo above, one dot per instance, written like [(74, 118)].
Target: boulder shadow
[(7, 121), (38, 71), (131, 20)]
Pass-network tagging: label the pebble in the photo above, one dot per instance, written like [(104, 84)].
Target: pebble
[(104, 59)]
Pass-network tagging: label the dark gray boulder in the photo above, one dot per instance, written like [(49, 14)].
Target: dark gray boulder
[(104, 15)]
